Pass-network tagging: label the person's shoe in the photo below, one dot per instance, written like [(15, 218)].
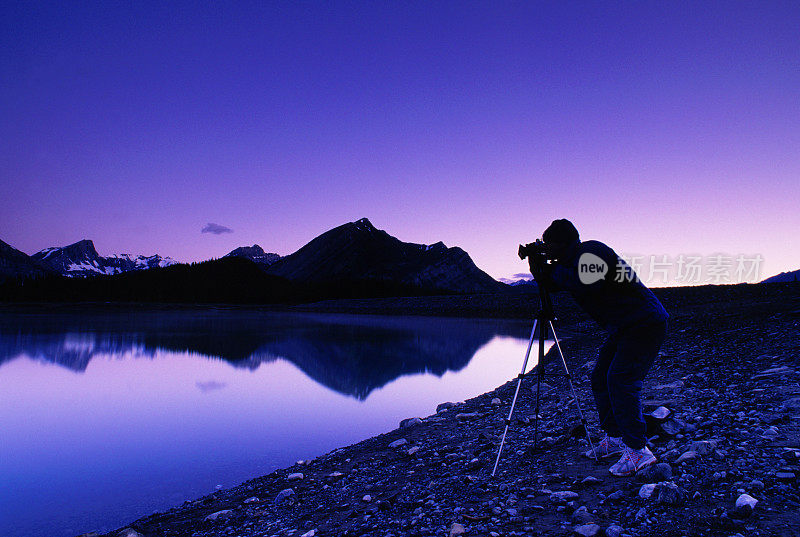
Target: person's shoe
[(632, 461), (607, 447)]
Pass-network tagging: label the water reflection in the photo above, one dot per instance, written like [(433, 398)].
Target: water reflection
[(351, 355), (109, 415)]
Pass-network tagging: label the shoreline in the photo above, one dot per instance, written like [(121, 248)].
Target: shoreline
[(732, 427)]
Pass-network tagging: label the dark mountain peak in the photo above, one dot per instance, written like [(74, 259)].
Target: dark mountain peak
[(256, 254), (358, 251), (14, 263), (246, 251)]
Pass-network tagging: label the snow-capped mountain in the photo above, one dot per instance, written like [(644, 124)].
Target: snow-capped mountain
[(128, 262), (256, 254), (81, 259), (359, 251)]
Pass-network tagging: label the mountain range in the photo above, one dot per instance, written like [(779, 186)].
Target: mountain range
[(82, 259), (354, 259)]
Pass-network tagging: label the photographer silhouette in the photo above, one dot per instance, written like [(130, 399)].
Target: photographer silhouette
[(611, 293)]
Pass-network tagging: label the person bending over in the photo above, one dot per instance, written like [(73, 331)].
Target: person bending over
[(636, 323)]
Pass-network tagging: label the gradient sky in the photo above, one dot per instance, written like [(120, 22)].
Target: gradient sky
[(659, 128)]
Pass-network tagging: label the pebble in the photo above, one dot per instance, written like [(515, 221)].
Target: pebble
[(284, 495), (410, 422), (646, 491), (295, 477), (660, 413), (587, 530), (686, 456), (563, 496), (457, 529), (614, 531), (219, 514)]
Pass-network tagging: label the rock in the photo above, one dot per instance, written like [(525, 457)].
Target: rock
[(786, 477), (367, 498), (791, 405), (496, 401), (614, 531), (464, 416), (672, 427), (285, 495), (646, 491), (441, 407), (774, 371), (335, 475), (413, 450), (410, 422), (677, 385), (702, 447), (590, 480), (252, 499), (311, 533), (669, 493), (399, 442), (661, 413), (587, 530), (687, 456), (563, 496), (757, 484), (582, 516), (295, 477), (744, 506), (615, 496), (128, 532), (213, 516), (457, 529), (655, 473)]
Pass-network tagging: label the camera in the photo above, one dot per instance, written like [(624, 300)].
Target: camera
[(534, 251)]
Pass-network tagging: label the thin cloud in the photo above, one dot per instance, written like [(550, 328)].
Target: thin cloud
[(216, 229), (523, 276), (210, 386)]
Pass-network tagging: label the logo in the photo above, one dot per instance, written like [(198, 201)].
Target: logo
[(591, 268)]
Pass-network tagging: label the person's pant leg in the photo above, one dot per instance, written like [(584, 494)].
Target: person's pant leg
[(637, 349), (600, 386)]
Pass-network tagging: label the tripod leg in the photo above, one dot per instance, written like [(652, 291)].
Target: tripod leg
[(574, 393), (539, 379), (516, 393)]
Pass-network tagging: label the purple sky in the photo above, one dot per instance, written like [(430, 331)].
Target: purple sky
[(659, 128)]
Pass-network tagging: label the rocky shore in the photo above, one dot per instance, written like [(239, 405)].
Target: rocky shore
[(723, 401)]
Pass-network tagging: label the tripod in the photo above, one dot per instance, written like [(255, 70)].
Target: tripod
[(543, 321)]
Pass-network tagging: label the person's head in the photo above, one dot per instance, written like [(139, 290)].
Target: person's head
[(559, 237)]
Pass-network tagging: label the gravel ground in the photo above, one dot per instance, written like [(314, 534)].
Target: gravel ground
[(725, 399)]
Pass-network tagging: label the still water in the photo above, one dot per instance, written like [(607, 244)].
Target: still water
[(107, 416)]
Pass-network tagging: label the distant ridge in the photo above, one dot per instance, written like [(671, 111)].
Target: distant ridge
[(16, 264), (359, 251), (792, 276)]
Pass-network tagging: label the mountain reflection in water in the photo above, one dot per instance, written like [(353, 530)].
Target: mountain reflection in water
[(109, 413), (352, 355)]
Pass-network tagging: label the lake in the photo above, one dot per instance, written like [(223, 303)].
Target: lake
[(110, 414)]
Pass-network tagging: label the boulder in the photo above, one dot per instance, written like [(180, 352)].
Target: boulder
[(285, 496)]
